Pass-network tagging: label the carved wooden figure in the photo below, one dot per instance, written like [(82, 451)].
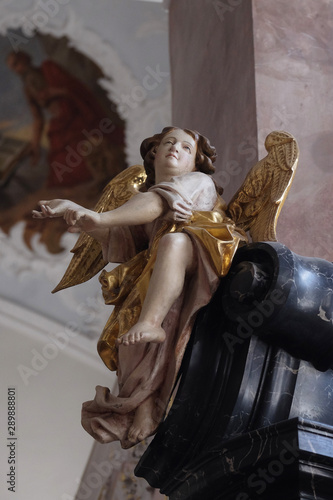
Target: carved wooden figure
[(175, 238)]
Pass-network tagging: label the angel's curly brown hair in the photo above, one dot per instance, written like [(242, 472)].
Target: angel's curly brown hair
[(204, 159)]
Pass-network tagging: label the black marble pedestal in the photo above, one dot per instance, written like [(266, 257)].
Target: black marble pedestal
[(250, 419), (290, 460)]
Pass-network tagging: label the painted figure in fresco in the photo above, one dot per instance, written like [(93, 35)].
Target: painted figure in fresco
[(72, 112), (168, 226)]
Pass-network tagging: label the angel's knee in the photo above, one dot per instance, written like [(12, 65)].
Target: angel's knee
[(176, 246), (175, 242)]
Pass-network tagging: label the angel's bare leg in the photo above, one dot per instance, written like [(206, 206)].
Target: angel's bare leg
[(174, 259)]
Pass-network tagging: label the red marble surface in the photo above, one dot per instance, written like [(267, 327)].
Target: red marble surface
[(213, 88), (240, 72), (294, 68)]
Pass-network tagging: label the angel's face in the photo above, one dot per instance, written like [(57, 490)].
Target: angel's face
[(175, 155)]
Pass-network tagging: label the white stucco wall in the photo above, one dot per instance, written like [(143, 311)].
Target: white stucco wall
[(51, 377)]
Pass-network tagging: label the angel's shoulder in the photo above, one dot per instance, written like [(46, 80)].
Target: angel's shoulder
[(197, 179)]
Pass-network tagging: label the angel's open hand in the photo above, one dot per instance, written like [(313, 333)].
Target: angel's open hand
[(81, 220), (52, 208)]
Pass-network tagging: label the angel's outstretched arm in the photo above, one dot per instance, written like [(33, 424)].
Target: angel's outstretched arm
[(141, 209), (64, 208), (53, 208)]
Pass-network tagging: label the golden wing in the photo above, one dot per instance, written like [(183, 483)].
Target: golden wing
[(87, 260), (257, 204)]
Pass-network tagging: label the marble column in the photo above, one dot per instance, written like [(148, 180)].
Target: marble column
[(213, 85), (241, 69), (294, 91)]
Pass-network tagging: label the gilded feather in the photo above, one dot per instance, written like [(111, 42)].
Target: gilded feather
[(256, 205)]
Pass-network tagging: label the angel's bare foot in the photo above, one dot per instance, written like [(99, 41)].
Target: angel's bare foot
[(143, 425), (142, 333)]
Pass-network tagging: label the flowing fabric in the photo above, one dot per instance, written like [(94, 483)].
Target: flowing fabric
[(150, 370)]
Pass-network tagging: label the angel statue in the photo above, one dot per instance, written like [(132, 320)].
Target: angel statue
[(174, 237)]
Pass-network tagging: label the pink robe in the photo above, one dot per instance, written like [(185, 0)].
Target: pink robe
[(146, 370)]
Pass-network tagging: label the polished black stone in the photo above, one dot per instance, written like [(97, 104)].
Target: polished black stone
[(292, 309), (248, 385)]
